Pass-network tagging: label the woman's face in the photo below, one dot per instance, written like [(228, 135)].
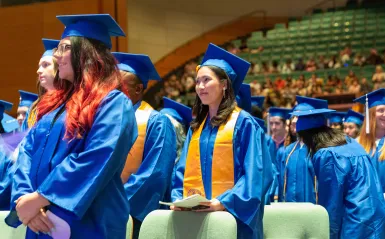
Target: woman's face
[(208, 87), (380, 116), (351, 130), (63, 57), (46, 72)]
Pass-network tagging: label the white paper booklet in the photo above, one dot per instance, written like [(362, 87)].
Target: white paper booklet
[(189, 202)]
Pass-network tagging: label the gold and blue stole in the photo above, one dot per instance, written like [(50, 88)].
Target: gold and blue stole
[(222, 160), (135, 156)]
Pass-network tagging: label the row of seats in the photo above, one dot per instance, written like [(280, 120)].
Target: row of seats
[(281, 220)]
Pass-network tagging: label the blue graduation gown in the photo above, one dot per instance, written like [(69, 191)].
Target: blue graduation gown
[(6, 172), (81, 178), (380, 165), (146, 187), (272, 153), (349, 189), (299, 173), (252, 173)]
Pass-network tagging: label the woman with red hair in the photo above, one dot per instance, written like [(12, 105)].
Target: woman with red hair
[(67, 180)]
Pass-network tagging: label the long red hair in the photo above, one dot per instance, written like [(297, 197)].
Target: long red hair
[(95, 75)]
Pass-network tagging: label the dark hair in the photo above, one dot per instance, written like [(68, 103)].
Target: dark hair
[(225, 108), (256, 112), (2, 131), (322, 137)]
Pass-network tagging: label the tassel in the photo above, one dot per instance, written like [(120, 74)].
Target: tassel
[(268, 123), (367, 114)]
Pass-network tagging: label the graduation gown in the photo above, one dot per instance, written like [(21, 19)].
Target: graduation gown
[(252, 173), (274, 185), (81, 178), (380, 164), (349, 189), (297, 182), (6, 173), (148, 185)]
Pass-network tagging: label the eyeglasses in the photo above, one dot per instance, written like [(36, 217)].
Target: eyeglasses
[(61, 49)]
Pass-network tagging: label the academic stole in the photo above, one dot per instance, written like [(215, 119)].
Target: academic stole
[(135, 156), (285, 177), (222, 160)]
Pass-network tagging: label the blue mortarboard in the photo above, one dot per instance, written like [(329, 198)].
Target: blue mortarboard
[(244, 97), (374, 98), (370, 100), (9, 123), (258, 101), (140, 65), (336, 117), (310, 119), (49, 44), (307, 103), (99, 27), (27, 98), (261, 123), (279, 112), (178, 111), (354, 117), (235, 67)]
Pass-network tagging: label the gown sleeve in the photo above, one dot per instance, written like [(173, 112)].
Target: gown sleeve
[(178, 176), (331, 179), (77, 180), (148, 185), (245, 200)]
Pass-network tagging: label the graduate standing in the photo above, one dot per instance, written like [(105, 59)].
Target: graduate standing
[(353, 123), (277, 124), (149, 165), (373, 133), (297, 182), (225, 156), (348, 186), (73, 157)]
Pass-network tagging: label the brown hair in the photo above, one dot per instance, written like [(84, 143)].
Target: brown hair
[(225, 108), (368, 141)]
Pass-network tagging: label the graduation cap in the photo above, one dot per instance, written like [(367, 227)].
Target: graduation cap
[(307, 103), (244, 97), (178, 111), (27, 98), (258, 101), (49, 44), (235, 67), (310, 119), (9, 123), (99, 27), (140, 65), (261, 123), (370, 100), (336, 117), (283, 113), (354, 117)]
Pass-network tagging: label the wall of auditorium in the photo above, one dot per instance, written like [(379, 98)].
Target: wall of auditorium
[(158, 27)]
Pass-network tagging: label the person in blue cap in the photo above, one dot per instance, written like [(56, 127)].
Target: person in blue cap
[(245, 102), (353, 123), (223, 146), (67, 178), (336, 120), (26, 101), (149, 165), (347, 183), (297, 181), (373, 131), (277, 125), (46, 71)]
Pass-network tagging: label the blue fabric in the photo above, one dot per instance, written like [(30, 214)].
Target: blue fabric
[(139, 65), (258, 101), (27, 98), (309, 119), (379, 164), (252, 173), (279, 112), (49, 44), (95, 26), (180, 112), (299, 175), (349, 189), (336, 117), (80, 178), (375, 98), (146, 187), (244, 97), (9, 123), (235, 67), (354, 117), (6, 173)]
